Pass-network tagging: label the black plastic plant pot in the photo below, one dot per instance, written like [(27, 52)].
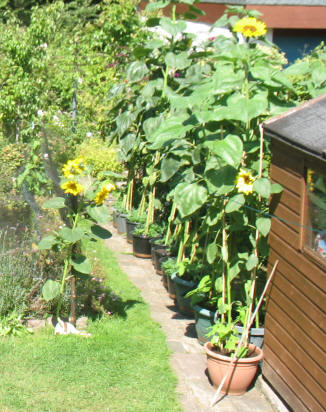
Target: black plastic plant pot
[(121, 223), (182, 287), (205, 319), (152, 242), (141, 247), (159, 252), (131, 226)]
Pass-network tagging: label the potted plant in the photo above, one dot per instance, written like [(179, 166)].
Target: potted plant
[(134, 219), (141, 239)]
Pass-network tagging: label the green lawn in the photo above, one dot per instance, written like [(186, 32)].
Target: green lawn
[(123, 366)]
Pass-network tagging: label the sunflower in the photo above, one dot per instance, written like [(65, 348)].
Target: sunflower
[(73, 167), (72, 187), (103, 193), (250, 27), (244, 182)]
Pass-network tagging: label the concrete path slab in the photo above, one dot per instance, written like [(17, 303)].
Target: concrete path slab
[(188, 359)]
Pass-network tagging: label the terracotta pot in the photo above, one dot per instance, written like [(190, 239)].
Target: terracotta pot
[(241, 373), (141, 246)]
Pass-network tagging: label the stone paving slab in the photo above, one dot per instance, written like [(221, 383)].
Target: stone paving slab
[(188, 359)]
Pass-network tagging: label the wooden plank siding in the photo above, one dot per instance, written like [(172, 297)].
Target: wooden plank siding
[(295, 324)]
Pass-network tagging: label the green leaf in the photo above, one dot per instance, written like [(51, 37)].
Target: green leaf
[(211, 252), (263, 225), (55, 203), (189, 198), (100, 232), (177, 61), (156, 5), (81, 264), (47, 242), (221, 181), (252, 262), (169, 167), (172, 27), (169, 130), (50, 289), (276, 188), (262, 186), (99, 213), (235, 203), (136, 71), (71, 235), (230, 149)]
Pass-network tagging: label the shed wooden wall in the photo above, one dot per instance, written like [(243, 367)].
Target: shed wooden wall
[(295, 324)]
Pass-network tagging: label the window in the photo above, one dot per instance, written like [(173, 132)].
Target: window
[(316, 199)]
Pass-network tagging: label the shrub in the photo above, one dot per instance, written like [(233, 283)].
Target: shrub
[(100, 156)]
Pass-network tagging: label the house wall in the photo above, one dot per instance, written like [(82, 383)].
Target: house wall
[(295, 324)]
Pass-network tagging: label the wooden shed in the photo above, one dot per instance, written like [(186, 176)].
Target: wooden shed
[(295, 324)]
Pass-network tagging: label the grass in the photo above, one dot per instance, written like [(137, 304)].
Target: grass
[(123, 366)]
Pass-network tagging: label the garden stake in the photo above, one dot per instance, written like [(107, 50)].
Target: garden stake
[(234, 357)]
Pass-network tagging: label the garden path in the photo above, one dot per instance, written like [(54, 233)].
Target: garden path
[(188, 359)]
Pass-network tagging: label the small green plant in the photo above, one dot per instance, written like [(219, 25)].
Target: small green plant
[(154, 230), (12, 325)]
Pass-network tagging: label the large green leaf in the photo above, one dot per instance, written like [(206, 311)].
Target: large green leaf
[(99, 213), (150, 126), (189, 197), (263, 187), (230, 149), (177, 61), (169, 167), (50, 289), (244, 109), (263, 225), (252, 262), (54, 203), (136, 71), (172, 27), (71, 235), (47, 242), (169, 130), (81, 264), (156, 5), (221, 181), (235, 203), (128, 143), (211, 252), (100, 232)]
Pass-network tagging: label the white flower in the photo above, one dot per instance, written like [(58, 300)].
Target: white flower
[(89, 134), (55, 119), (46, 155), (44, 46), (40, 113), (80, 80)]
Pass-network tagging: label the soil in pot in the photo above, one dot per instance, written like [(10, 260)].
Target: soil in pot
[(130, 228), (141, 247), (182, 287), (205, 319), (240, 374)]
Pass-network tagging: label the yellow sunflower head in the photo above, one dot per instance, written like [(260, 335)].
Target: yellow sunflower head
[(250, 27), (72, 187), (73, 167), (103, 193), (244, 182)]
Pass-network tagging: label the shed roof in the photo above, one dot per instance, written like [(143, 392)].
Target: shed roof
[(269, 2), (303, 127)]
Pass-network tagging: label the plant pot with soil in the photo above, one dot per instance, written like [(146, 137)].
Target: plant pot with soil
[(141, 240)]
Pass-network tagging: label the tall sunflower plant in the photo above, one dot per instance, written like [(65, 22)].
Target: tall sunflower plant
[(82, 202)]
